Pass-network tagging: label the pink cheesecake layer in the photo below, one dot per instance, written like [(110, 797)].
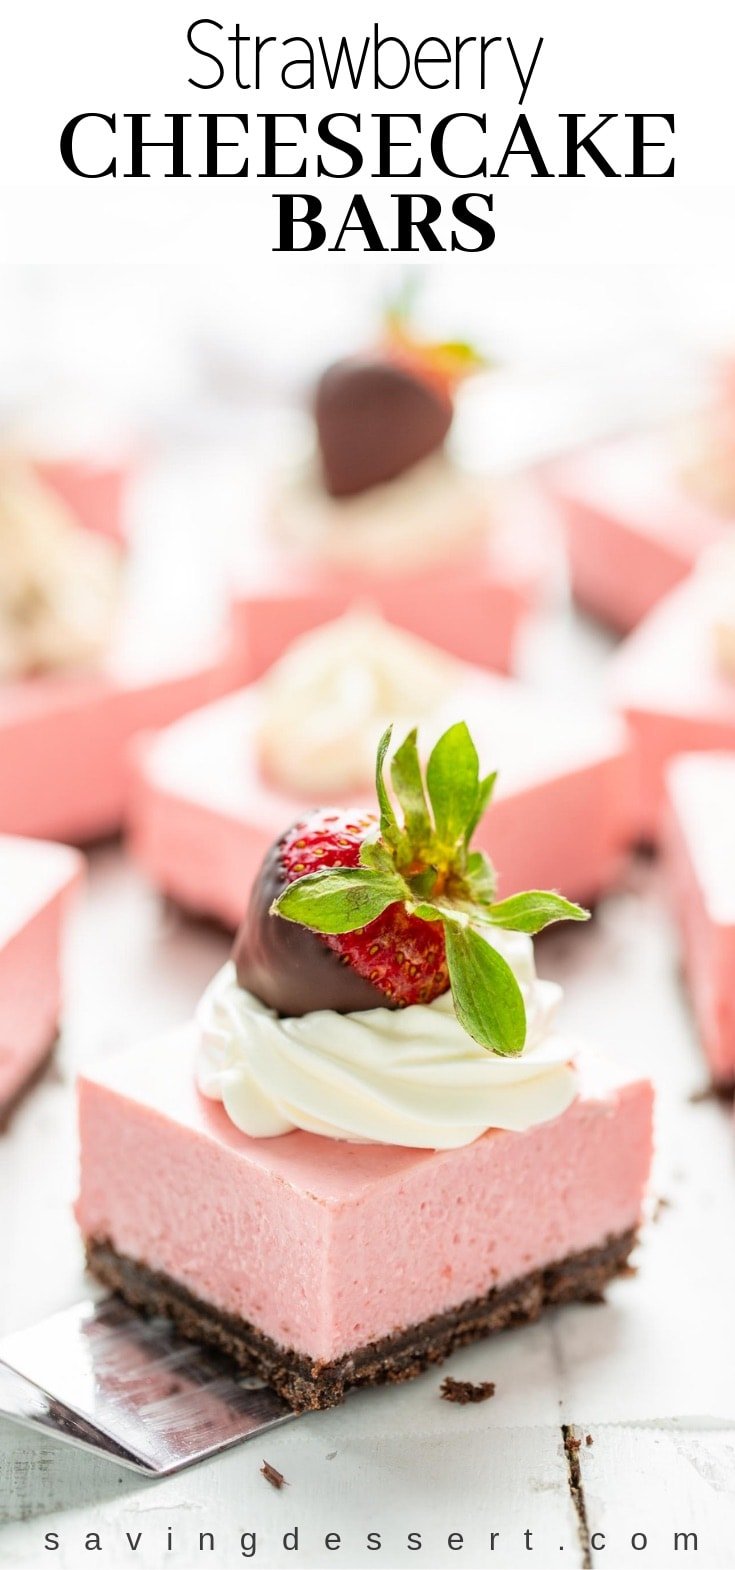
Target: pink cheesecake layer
[(94, 492), (473, 604), (633, 529), (701, 858), (666, 681), (36, 883), (324, 1245), (64, 741), (202, 816)]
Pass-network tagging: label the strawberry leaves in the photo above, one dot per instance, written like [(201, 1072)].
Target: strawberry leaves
[(482, 802), (533, 911), (480, 878), (487, 997), (408, 784), (340, 899), (388, 821), (426, 866), (455, 358), (452, 777)]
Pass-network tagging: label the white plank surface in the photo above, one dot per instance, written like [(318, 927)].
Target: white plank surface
[(653, 1484), (338, 1481)]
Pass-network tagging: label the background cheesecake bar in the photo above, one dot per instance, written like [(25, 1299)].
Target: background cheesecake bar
[(202, 813), (701, 855), (633, 530), (36, 883), (670, 685)]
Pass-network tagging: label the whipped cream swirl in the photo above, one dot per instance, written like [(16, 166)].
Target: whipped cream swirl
[(420, 519), (325, 704), (411, 1077)]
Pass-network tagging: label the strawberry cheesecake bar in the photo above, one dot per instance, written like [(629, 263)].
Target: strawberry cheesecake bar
[(80, 452), (673, 679), (700, 846), (71, 696), (635, 525), (375, 1144), (36, 884), (208, 794), (382, 510), (95, 491)]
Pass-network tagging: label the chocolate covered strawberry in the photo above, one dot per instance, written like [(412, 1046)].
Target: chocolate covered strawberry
[(354, 911), (392, 961), (374, 420), (378, 414)]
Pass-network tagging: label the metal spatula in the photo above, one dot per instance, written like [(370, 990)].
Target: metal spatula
[(130, 1388)]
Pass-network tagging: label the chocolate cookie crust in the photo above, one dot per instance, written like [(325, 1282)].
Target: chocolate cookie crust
[(307, 1384)]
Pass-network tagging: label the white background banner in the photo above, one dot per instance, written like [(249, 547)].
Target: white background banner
[(653, 60)]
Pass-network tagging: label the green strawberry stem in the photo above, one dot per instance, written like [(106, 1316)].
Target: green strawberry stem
[(398, 313), (425, 863)]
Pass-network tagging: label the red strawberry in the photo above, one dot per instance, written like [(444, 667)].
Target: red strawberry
[(350, 911), (327, 837), (393, 961)]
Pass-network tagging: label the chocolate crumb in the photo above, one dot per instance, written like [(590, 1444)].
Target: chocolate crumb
[(463, 1391), (712, 1092), (588, 1439), (703, 1093), (272, 1475), (572, 1443), (661, 1204)]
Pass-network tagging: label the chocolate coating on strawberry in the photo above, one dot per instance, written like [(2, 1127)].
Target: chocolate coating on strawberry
[(375, 420), (290, 968), (391, 962)]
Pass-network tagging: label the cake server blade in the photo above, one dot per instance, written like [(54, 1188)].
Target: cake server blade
[(101, 1376)]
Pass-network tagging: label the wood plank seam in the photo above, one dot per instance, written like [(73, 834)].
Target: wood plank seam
[(572, 1445)]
